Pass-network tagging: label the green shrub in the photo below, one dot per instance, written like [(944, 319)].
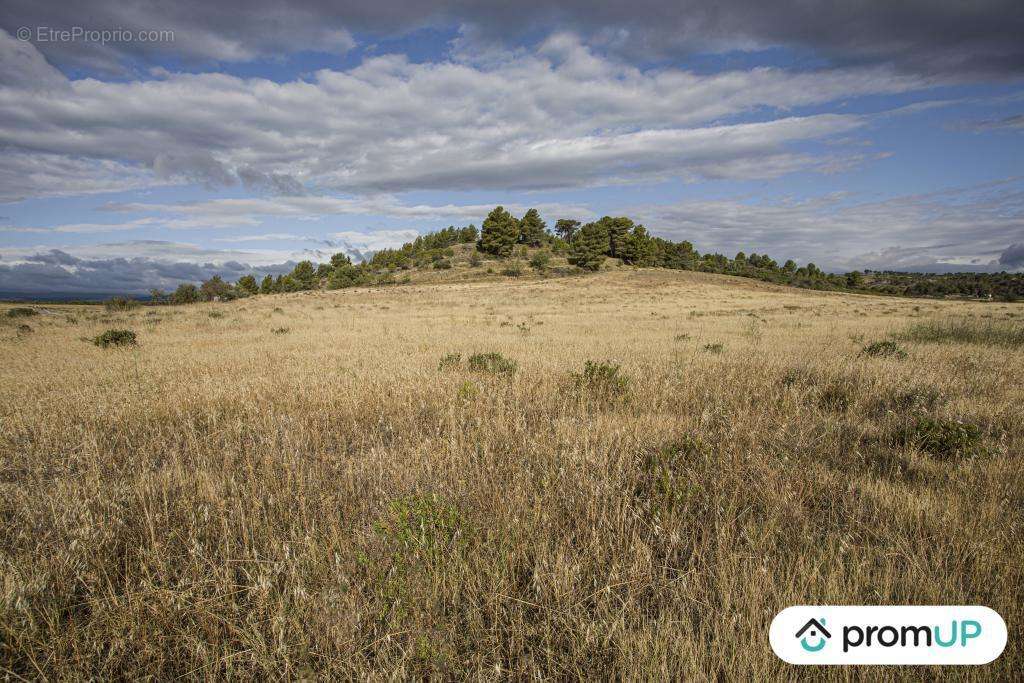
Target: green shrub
[(120, 303), (442, 264), (540, 260), (21, 312), (967, 331), (943, 439), (115, 338), (450, 360), (512, 270), (493, 363), (884, 349), (602, 380)]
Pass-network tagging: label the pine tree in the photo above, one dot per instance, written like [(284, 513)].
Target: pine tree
[(588, 249), (566, 228), (304, 275), (247, 284), (617, 229), (532, 230), (635, 247), (267, 286), (500, 233)]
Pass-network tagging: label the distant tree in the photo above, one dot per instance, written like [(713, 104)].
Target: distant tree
[(540, 260), (158, 296), (566, 228), (789, 266), (588, 249), (346, 275), (499, 233), (740, 258), (323, 270), (854, 279), (340, 259), (616, 230), (216, 289), (304, 275), (635, 246), (247, 284), (185, 294), (267, 286), (532, 230)]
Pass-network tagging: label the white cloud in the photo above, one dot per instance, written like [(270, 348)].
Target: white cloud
[(958, 226), (562, 117)]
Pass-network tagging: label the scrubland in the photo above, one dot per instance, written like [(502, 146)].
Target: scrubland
[(346, 484)]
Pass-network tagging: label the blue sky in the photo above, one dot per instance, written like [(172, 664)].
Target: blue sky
[(234, 146)]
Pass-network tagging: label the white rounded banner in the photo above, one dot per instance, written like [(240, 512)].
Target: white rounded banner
[(859, 634)]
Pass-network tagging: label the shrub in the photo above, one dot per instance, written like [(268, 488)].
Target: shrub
[(884, 349), (967, 331), (115, 338), (714, 348), (540, 260), (603, 380), (280, 330), (120, 303), (475, 260), (493, 363), (442, 264), (215, 314), (915, 400), (512, 270), (450, 360), (943, 439), (24, 329), (21, 312)]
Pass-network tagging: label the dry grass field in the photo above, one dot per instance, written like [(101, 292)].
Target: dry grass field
[(328, 485)]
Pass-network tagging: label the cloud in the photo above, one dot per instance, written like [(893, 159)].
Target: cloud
[(1013, 256), (1015, 122), (954, 229), (563, 117), (129, 267), (939, 36)]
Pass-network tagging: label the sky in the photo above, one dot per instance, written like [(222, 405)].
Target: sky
[(147, 144)]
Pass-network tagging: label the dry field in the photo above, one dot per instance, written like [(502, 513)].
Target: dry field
[(297, 485)]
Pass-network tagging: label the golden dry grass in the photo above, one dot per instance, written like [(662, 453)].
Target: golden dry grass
[(223, 501)]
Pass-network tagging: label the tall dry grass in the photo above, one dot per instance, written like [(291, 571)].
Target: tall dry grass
[(223, 501)]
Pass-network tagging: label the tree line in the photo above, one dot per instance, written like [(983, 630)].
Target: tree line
[(586, 246)]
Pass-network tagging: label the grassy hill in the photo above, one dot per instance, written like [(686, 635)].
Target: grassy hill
[(625, 474)]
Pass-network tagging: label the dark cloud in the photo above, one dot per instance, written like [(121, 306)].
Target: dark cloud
[(1013, 256), (57, 272), (934, 36)]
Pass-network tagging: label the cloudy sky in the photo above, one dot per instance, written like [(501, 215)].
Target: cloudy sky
[(145, 143)]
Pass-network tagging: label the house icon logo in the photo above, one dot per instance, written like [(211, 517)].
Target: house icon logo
[(815, 631)]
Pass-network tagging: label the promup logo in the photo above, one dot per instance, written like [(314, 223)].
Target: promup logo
[(817, 630), (888, 635)]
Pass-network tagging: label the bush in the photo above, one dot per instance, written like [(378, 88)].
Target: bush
[(24, 329), (512, 270), (442, 264), (884, 349), (21, 312), (493, 363), (474, 259), (603, 380), (115, 338), (451, 360), (943, 439), (120, 303), (540, 260), (280, 330), (714, 348)]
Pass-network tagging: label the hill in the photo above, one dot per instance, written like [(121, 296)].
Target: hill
[(623, 474)]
